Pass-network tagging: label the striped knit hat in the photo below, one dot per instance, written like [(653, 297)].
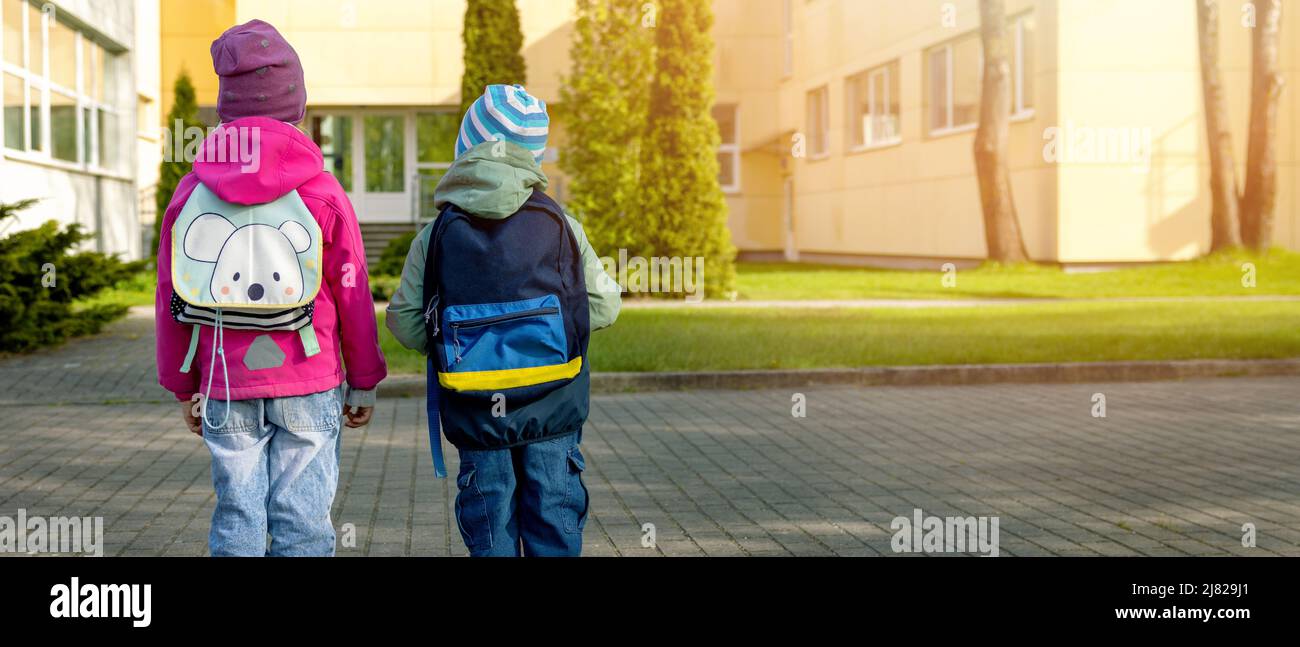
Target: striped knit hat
[(505, 113)]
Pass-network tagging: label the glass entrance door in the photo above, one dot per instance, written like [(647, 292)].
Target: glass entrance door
[(370, 154), (386, 195)]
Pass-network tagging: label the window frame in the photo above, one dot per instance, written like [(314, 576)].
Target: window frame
[(1018, 109), (825, 139), (442, 166), (732, 150), (417, 191), (949, 87), (86, 105), (886, 69)]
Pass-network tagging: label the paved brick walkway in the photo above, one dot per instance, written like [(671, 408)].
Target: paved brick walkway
[(1174, 468)]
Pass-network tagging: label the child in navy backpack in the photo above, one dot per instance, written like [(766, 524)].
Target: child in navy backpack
[(501, 291)]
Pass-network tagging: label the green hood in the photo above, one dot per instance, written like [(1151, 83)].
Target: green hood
[(491, 180)]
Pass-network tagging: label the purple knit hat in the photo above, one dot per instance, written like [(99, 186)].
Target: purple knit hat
[(260, 74)]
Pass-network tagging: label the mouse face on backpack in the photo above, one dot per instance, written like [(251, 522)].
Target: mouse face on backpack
[(256, 264)]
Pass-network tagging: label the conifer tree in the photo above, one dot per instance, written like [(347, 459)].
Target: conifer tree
[(493, 40), (680, 194)]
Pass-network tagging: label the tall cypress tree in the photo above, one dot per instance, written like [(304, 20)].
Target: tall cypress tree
[(183, 115), (682, 199), (492, 40), (604, 102)]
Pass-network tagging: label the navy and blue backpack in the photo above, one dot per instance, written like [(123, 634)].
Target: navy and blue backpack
[(507, 327)]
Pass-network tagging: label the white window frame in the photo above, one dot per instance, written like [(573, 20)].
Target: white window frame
[(419, 166), (86, 106), (441, 166), (869, 141), (949, 88), (1018, 108), (732, 150), (1019, 111), (825, 139)]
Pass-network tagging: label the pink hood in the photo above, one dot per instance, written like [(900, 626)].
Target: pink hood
[(255, 160)]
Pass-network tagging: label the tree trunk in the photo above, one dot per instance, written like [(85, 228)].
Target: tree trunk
[(1224, 226), (1260, 196), (1001, 227)]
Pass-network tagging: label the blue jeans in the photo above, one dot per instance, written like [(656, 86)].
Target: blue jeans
[(275, 467), (527, 500)]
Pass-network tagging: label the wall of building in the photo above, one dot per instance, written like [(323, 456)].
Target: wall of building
[(103, 201), (187, 29), (747, 68), (1107, 65), (1134, 66), (403, 52), (148, 83), (1126, 70), (918, 197)]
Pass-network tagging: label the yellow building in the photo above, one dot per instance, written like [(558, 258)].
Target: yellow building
[(847, 124)]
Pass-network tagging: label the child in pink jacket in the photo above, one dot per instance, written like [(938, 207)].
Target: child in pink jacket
[(275, 452)]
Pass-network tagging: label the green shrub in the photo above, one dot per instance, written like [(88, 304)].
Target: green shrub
[(393, 258), (382, 286), (603, 105), (683, 204), (41, 276)]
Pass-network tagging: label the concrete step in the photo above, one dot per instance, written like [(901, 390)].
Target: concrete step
[(376, 236)]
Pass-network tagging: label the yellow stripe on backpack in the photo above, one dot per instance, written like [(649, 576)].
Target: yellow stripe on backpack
[(509, 378)]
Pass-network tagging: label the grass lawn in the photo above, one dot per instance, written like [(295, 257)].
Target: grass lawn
[(1277, 272), (684, 339), (135, 291)]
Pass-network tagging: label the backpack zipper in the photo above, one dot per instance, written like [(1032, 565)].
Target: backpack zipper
[(488, 321)]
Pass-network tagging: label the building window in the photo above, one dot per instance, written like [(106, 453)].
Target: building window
[(65, 112), (333, 134), (873, 107), (728, 148), (819, 117), (435, 150), (953, 85), (385, 153), (1022, 79), (955, 72)]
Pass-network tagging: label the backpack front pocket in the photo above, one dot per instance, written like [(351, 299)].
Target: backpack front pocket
[(505, 345)]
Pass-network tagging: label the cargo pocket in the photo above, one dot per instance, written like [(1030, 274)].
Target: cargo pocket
[(576, 499), (471, 510)]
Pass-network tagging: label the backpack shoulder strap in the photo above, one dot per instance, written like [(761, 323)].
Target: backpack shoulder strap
[(539, 201), (433, 395), (194, 349), (307, 334)]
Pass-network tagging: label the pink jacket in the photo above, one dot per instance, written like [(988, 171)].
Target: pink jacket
[(344, 312)]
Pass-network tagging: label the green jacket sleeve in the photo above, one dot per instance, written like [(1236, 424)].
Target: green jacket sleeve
[(604, 296), (405, 312)]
